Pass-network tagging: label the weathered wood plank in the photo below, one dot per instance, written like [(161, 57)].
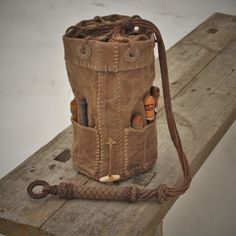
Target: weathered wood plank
[(156, 231), (201, 130), (10, 228), (186, 60), (15, 205), (192, 53)]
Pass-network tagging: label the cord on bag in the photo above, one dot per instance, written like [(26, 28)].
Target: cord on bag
[(102, 31)]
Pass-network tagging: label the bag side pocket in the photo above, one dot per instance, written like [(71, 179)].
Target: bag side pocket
[(134, 145), (84, 153), (150, 151)]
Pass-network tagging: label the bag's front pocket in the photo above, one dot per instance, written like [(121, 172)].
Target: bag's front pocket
[(140, 149), (134, 145), (150, 151), (85, 145)]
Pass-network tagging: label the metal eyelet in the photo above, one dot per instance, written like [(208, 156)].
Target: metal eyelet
[(83, 51), (131, 54)]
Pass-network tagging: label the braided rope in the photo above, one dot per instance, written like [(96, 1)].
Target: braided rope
[(127, 193)]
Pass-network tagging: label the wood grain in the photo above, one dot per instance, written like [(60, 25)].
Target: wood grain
[(202, 74)]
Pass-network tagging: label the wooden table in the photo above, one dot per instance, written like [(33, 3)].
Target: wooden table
[(203, 87)]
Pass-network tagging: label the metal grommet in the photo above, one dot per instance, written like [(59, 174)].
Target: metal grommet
[(83, 51), (131, 54)]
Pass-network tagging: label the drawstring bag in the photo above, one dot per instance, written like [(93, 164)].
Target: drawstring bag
[(111, 67)]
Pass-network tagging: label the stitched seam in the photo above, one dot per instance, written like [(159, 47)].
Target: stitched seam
[(125, 166), (115, 56), (96, 165), (98, 135), (118, 107), (98, 138), (99, 121), (109, 68)]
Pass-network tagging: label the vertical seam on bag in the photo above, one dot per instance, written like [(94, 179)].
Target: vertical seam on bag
[(116, 56), (125, 166), (99, 137), (97, 152), (118, 105), (100, 151), (144, 153)]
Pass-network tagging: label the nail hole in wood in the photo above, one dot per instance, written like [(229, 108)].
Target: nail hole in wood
[(32, 170), (2, 210), (212, 31), (63, 156)]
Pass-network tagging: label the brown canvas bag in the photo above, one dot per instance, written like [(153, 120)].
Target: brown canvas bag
[(111, 67)]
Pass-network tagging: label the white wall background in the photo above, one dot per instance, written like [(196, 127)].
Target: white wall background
[(35, 93)]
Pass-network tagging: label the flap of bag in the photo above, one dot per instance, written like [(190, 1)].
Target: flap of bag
[(103, 56), (119, 48)]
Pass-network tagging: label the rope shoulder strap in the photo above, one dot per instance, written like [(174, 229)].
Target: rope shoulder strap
[(127, 193)]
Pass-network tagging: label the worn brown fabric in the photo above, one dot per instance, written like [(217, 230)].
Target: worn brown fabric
[(114, 84)]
